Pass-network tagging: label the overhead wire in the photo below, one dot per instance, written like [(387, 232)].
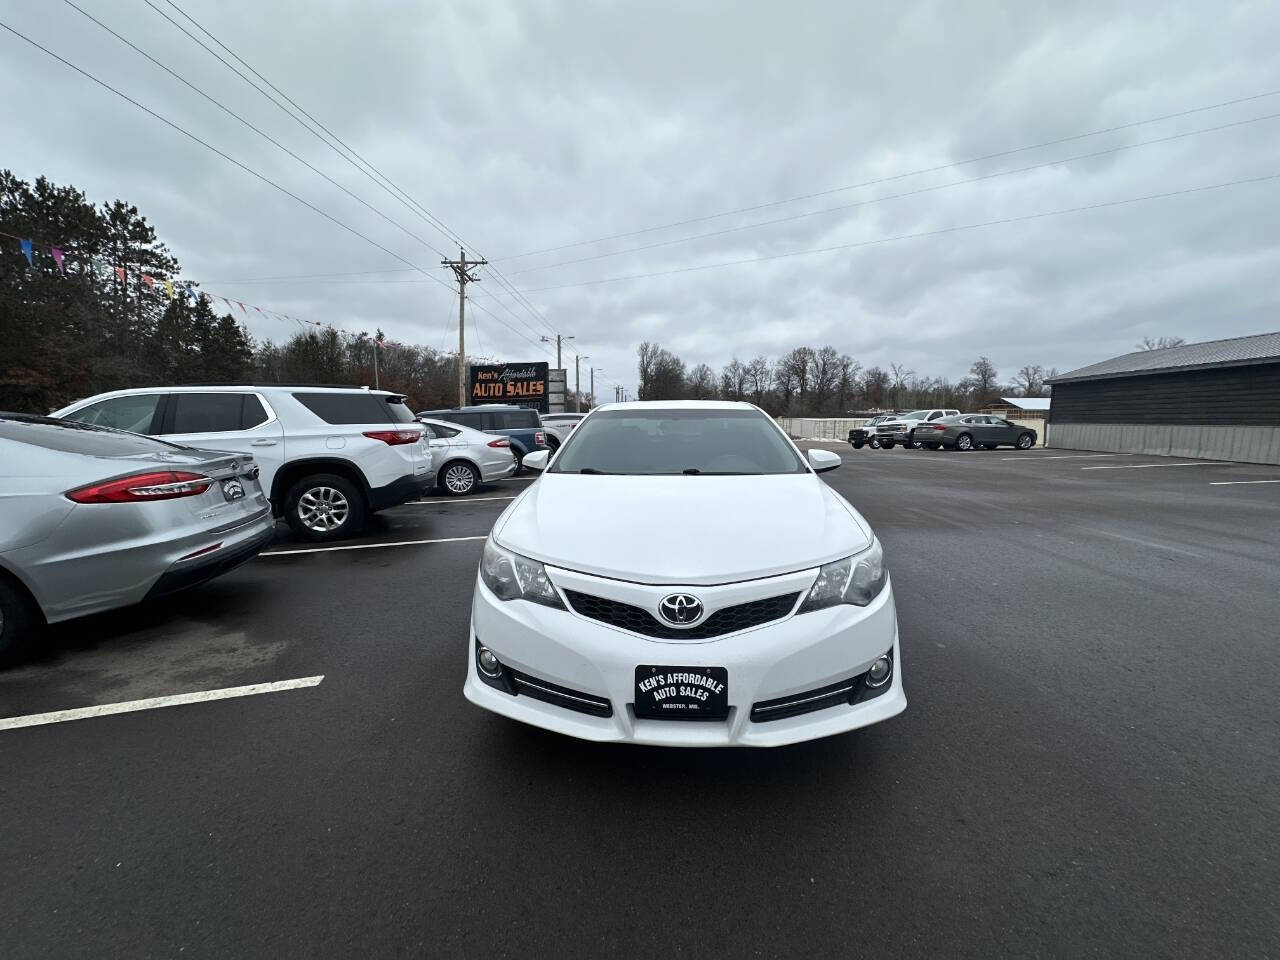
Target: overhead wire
[(898, 196), (208, 146), (900, 176), (912, 236), (350, 155)]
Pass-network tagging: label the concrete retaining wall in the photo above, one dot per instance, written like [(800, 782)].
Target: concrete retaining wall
[(819, 428), (1243, 444)]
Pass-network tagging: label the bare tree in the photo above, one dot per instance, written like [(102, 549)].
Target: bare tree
[(1030, 380), (984, 380), (824, 372), (759, 376), (846, 381), (733, 380), (702, 383), (1160, 343), (875, 387), (661, 373)]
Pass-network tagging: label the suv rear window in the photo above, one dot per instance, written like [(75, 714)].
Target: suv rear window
[(356, 407), (68, 436)]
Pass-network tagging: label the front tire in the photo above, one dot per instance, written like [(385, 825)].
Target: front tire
[(856, 444), (886, 444), (325, 507), (457, 479), (19, 621), (911, 443), (964, 442), (1025, 441), (874, 443)]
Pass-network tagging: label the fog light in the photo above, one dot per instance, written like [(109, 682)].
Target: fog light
[(489, 664), (879, 672)]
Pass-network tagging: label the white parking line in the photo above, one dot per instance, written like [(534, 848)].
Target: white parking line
[(1144, 466), (155, 703), (434, 503), (1071, 456), (1236, 483), (368, 546)]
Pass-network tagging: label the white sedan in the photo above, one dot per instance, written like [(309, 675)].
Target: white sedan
[(679, 575), (465, 458)]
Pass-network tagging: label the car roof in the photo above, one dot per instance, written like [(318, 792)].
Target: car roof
[(679, 405), (239, 388)]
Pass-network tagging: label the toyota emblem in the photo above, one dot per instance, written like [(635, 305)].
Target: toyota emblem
[(680, 609)]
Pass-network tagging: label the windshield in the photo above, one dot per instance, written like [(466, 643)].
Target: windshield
[(673, 442), (916, 415)]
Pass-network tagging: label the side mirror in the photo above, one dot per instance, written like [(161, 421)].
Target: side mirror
[(537, 460), (821, 460)]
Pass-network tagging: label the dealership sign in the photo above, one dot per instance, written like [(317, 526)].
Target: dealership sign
[(523, 384)]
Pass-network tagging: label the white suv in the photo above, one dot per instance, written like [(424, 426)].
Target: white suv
[(328, 456)]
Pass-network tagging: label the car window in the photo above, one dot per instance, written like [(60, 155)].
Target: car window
[(206, 412), (133, 413), (356, 407), (467, 419), (71, 436), (441, 431), (936, 415), (916, 414), (516, 420), (674, 442), (1001, 421)]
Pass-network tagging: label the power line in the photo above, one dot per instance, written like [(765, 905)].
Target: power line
[(897, 176), (898, 196), (911, 236), (208, 146), (372, 172)]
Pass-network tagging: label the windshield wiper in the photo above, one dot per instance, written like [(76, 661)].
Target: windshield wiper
[(593, 470), (695, 472)]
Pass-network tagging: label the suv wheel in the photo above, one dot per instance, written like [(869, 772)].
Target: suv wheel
[(458, 479), (18, 621), (324, 506)]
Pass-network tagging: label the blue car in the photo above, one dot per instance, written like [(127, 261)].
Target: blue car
[(520, 425)]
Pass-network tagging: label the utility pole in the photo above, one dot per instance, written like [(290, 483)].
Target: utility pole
[(577, 383), (462, 270), (559, 341), (376, 384), (593, 386)]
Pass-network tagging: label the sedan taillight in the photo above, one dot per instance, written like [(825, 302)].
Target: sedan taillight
[(539, 439), (394, 438), (164, 485), (500, 442)]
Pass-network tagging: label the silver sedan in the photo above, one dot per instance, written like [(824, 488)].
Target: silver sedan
[(92, 519), (465, 458)]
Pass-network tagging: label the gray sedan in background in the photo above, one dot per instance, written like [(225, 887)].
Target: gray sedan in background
[(970, 430), (93, 518)]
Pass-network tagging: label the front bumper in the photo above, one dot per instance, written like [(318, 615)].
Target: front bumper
[(787, 657)]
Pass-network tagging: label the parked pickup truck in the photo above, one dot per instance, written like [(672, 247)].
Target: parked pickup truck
[(865, 435), (902, 429), (518, 424)]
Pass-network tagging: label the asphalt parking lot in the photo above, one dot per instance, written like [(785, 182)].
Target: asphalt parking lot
[(1087, 765)]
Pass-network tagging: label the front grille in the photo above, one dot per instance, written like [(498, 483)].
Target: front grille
[(626, 616), (559, 696)]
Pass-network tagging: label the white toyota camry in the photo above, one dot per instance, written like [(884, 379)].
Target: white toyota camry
[(679, 575)]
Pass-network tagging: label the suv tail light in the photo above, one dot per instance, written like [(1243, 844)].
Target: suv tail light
[(500, 442), (163, 485), (394, 438), (540, 439)]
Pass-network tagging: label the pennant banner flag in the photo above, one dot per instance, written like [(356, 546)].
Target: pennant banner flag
[(168, 288), (120, 274), (26, 252), (149, 281), (57, 258)]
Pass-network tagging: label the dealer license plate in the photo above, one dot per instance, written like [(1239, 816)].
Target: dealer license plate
[(682, 693)]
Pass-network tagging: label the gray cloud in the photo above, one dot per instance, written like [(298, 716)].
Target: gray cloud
[(533, 124)]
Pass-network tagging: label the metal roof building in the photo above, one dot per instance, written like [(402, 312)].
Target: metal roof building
[(1217, 400)]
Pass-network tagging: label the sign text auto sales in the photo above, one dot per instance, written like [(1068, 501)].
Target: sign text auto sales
[(692, 685), (524, 384)]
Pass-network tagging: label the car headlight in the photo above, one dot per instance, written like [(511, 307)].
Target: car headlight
[(857, 580), (513, 577)]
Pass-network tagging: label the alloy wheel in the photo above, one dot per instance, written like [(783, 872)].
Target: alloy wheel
[(323, 509), (459, 478)]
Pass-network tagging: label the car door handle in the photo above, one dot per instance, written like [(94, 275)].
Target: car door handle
[(264, 443)]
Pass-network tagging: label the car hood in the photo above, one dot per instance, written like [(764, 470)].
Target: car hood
[(682, 530)]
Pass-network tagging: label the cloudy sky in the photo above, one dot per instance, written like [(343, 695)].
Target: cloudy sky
[(539, 124)]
